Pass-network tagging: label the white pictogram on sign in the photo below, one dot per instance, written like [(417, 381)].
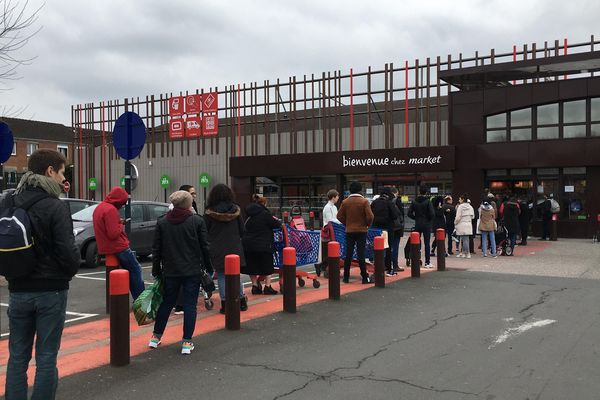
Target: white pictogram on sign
[(210, 123), (209, 100)]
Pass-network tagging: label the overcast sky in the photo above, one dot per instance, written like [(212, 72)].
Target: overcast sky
[(87, 51)]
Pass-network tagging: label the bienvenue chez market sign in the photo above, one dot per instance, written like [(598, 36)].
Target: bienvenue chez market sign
[(348, 161)]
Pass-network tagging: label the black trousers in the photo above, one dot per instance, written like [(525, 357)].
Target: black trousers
[(358, 239)]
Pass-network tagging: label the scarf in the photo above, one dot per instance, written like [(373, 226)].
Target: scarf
[(48, 185), (178, 215)]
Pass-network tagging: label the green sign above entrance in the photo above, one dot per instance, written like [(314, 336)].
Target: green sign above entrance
[(122, 182), (165, 181), (204, 180), (93, 184)]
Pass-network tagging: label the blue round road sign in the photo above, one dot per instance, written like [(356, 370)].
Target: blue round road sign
[(129, 135), (6, 142)]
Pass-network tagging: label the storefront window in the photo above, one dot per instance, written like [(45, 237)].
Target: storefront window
[(573, 202)]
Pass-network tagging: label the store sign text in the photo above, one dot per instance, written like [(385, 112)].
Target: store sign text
[(387, 161)]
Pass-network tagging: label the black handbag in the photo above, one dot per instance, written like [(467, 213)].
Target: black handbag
[(208, 285)]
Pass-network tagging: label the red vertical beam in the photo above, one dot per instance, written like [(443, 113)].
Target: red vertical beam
[(406, 101), (239, 127), (80, 184), (351, 110), (514, 58), (566, 47)]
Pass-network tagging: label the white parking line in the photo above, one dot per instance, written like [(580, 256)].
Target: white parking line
[(78, 316)]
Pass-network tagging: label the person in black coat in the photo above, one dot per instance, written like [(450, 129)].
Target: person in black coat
[(524, 220), (225, 230), (421, 210), (384, 214), (398, 230), (510, 211), (439, 221), (258, 241), (546, 207), (180, 252), (449, 214)]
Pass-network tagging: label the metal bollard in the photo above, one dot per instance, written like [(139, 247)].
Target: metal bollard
[(379, 251), (311, 220), (333, 261), (440, 237), (286, 217), (232, 292), (289, 279), (554, 228), (112, 263), (415, 254), (119, 318)]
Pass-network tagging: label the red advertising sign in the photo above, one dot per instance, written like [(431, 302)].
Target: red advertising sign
[(192, 126), (193, 104), (210, 125), (176, 128), (210, 102), (67, 186), (176, 106)]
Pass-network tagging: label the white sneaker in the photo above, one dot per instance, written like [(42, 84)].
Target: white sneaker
[(469, 255), (460, 255), (428, 266), (187, 347), (154, 342)]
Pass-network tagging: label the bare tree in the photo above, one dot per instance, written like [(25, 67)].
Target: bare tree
[(16, 29)]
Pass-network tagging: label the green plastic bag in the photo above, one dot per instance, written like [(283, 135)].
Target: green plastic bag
[(146, 305)]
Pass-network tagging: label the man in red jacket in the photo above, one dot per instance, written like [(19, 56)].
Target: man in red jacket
[(111, 238)]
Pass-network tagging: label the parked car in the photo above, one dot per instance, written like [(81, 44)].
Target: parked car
[(77, 205), (143, 220)]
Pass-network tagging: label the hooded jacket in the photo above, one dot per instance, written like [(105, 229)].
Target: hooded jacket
[(180, 248), (464, 219), (258, 232), (108, 229), (225, 230), (384, 213), (510, 211), (421, 210), (487, 218), (56, 253)]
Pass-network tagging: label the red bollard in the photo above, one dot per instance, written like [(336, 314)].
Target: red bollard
[(112, 263), (289, 279), (232, 292), (119, 318), (378, 246), (333, 268), (311, 220), (286, 217), (553, 229), (440, 237), (415, 254)]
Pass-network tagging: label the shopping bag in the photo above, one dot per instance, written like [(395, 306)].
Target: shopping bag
[(147, 303)]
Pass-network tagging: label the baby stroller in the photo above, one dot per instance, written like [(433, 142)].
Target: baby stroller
[(502, 245)]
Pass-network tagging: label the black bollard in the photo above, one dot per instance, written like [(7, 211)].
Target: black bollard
[(119, 318), (333, 261), (232, 292), (112, 262), (289, 279), (554, 228), (440, 237), (415, 254), (379, 251)]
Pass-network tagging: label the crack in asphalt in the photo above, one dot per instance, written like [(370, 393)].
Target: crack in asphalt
[(333, 375), (541, 300)]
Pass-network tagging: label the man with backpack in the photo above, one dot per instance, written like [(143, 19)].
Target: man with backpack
[(38, 281)]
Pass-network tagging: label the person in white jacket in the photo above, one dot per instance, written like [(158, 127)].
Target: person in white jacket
[(329, 214), (464, 224)]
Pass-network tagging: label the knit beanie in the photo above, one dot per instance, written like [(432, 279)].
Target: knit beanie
[(181, 199)]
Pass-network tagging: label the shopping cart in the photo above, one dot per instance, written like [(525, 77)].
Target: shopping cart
[(338, 233), (307, 248)]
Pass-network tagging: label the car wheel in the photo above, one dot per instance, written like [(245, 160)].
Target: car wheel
[(92, 260)]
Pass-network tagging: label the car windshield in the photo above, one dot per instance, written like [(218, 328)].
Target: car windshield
[(85, 215)]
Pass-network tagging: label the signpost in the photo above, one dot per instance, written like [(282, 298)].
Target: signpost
[(204, 183), (6, 147), (66, 186), (165, 182), (129, 138)]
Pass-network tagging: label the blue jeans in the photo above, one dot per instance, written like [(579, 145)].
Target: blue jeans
[(484, 242), (128, 261), (40, 315), (191, 287), (221, 281)]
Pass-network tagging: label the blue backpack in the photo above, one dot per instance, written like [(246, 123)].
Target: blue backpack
[(17, 252)]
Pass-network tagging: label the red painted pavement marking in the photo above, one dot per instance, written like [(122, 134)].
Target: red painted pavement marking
[(86, 346)]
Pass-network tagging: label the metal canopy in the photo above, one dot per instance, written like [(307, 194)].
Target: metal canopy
[(495, 75)]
